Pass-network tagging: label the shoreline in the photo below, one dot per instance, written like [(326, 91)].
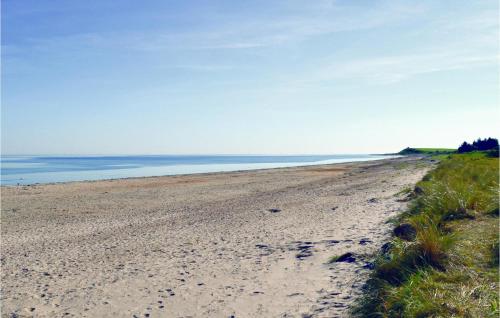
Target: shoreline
[(251, 243), (201, 173)]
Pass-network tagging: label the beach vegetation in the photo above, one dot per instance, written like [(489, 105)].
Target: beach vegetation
[(450, 267), (333, 259), (405, 191), (346, 257)]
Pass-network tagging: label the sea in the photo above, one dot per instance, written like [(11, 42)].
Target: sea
[(25, 170)]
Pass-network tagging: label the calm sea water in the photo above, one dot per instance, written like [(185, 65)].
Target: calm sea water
[(40, 169)]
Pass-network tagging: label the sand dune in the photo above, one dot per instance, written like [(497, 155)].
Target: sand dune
[(243, 244)]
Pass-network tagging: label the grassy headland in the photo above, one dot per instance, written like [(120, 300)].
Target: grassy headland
[(443, 259), (426, 151)]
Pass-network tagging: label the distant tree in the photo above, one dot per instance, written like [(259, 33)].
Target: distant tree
[(465, 147), (491, 143), (409, 151), (479, 145)]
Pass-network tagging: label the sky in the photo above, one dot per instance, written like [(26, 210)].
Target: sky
[(247, 77)]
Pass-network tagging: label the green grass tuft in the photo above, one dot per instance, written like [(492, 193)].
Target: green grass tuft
[(333, 259), (405, 191)]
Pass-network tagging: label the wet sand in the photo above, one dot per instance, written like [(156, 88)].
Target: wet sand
[(242, 244)]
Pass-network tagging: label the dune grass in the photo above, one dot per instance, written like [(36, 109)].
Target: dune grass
[(451, 268)]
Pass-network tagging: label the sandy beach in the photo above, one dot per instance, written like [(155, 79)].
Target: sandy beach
[(239, 244)]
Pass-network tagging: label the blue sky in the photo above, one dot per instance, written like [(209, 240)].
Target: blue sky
[(252, 77)]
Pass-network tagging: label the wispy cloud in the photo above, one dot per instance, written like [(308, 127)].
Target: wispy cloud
[(298, 23), (224, 32), (391, 69), (272, 31), (203, 67)]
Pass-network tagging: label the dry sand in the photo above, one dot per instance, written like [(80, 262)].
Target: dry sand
[(200, 245)]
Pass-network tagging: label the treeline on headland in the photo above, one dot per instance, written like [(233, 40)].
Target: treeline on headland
[(443, 259), (479, 145), (489, 145)]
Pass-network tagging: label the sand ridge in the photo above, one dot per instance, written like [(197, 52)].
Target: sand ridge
[(242, 244)]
